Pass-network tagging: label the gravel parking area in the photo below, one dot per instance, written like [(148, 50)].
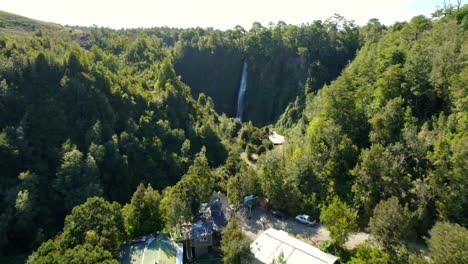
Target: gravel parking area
[(261, 219)]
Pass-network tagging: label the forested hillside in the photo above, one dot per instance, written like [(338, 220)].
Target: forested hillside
[(77, 123), (110, 134), (284, 61), (394, 123), (16, 26), (388, 137)]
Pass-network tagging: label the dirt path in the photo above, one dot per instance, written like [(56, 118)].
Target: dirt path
[(356, 239), (244, 157), (419, 247)]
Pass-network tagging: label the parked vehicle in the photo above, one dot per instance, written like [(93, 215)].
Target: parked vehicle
[(305, 219), (278, 214)]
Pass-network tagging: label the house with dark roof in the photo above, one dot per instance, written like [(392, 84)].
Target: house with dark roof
[(212, 218), (201, 237), (219, 210)]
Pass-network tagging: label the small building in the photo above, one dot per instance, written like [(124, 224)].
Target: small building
[(276, 138), (271, 243), (150, 249), (212, 218), (201, 236)]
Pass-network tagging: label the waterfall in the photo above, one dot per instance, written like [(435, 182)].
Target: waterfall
[(242, 89)]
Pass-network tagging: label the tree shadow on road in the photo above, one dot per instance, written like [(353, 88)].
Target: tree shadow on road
[(261, 219)]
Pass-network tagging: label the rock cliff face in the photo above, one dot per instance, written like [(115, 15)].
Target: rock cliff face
[(284, 62)]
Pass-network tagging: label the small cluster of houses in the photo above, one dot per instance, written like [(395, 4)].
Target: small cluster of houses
[(205, 233), (207, 229)]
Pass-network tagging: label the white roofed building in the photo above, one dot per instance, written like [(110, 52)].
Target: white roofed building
[(269, 245), (276, 138)]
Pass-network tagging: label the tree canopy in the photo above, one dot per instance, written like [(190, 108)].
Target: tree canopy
[(108, 134), (339, 219)]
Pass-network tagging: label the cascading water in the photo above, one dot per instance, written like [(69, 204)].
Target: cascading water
[(242, 89)]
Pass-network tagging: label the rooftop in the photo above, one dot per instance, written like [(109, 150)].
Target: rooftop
[(200, 228), (276, 138), (212, 216), (219, 210), (160, 249), (269, 245)]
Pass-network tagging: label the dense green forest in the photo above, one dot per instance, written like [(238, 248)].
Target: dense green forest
[(285, 61), (109, 134), (95, 112)]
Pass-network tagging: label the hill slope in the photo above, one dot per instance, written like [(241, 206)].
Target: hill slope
[(15, 25), (101, 140)]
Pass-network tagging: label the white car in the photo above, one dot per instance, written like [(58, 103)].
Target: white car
[(305, 219)]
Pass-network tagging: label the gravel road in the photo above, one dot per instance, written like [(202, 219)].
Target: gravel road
[(261, 220)]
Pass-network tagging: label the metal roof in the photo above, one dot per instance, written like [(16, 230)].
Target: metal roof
[(201, 228), (213, 216), (276, 138), (269, 245), (160, 249)]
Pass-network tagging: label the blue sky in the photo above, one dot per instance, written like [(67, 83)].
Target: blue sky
[(219, 14)]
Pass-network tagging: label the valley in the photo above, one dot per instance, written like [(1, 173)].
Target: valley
[(139, 145)]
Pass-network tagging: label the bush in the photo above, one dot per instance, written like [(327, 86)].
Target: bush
[(366, 254), (448, 243), (390, 224), (340, 220), (335, 249), (235, 245)]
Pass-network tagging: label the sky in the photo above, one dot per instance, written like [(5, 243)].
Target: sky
[(219, 14)]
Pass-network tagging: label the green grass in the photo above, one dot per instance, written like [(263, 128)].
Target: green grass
[(15, 25)]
